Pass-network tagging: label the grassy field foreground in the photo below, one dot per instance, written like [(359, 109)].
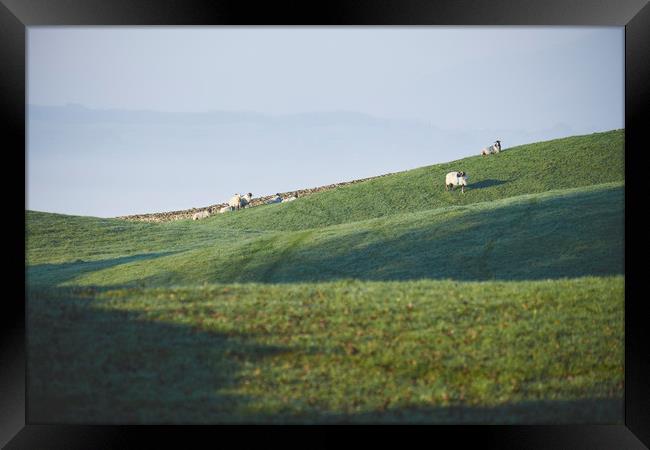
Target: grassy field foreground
[(350, 351)]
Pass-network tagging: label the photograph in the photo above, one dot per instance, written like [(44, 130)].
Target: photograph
[(325, 225)]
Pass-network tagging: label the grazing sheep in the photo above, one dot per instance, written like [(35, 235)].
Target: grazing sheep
[(494, 148), (235, 201), (290, 199), (225, 209), (200, 215), (456, 179), (245, 200), (276, 199), (240, 201)]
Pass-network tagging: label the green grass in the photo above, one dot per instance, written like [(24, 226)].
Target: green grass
[(565, 233), (388, 301), (419, 351), (535, 168)]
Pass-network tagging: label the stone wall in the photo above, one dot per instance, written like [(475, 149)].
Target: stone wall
[(213, 209)]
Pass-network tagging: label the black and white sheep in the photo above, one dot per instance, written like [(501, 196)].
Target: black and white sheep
[(456, 179), (494, 148)]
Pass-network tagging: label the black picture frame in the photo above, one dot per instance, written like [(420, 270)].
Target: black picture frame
[(16, 15)]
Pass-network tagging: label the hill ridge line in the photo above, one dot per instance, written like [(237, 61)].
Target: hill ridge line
[(183, 214)]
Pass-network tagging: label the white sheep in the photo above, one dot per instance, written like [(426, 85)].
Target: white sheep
[(240, 201), (494, 148), (290, 199), (225, 209), (200, 215), (234, 201), (456, 179)]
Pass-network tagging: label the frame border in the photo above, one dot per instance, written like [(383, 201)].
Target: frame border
[(17, 15)]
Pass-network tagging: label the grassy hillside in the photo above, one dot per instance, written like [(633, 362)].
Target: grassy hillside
[(535, 168), (562, 163), (390, 300), (564, 233)]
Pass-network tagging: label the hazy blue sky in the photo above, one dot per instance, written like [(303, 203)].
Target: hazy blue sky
[(125, 120)]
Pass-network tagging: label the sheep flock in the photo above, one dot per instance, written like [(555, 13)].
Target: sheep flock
[(237, 201)]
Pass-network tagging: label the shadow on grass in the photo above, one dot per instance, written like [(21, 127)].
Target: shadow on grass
[(487, 184), (569, 236), (92, 365), (58, 273)]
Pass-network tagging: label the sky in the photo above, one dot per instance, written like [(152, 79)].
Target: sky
[(125, 120)]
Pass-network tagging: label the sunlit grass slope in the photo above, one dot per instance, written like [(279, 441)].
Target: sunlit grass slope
[(564, 233), (534, 168), (390, 300)]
